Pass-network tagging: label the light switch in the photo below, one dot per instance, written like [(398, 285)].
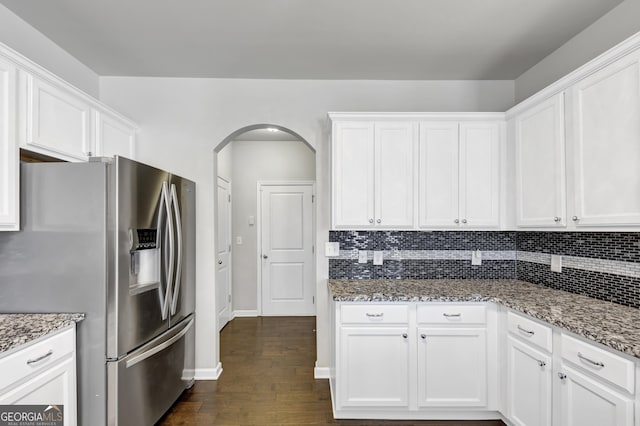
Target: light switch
[(362, 256), (252, 220), (332, 249), (556, 263), (239, 240), (378, 257), (476, 257)]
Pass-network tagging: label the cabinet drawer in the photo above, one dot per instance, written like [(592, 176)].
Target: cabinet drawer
[(530, 331), (35, 357), (451, 313), (597, 361), (374, 314)]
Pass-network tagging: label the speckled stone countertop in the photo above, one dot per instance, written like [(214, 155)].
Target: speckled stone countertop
[(18, 329), (608, 323)]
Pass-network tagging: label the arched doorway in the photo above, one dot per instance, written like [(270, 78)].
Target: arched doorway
[(250, 280)]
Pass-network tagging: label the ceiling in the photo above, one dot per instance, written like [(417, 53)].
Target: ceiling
[(266, 135), (305, 39)]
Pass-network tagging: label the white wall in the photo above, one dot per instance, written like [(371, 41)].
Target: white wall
[(254, 161), (614, 27), (23, 38), (225, 162), (183, 120)]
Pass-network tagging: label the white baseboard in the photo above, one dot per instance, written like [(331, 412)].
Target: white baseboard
[(320, 372), (208, 373), (245, 313)]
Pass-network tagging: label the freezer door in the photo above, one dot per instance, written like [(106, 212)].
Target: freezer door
[(143, 385), (139, 282), (183, 208)]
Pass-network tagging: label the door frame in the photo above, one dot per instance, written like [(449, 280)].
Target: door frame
[(294, 182)]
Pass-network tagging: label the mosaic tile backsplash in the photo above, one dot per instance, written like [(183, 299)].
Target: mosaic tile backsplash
[(603, 265)]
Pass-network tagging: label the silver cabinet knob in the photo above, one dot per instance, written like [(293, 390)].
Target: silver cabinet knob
[(379, 220), (562, 376), (219, 262), (264, 256), (464, 220), (541, 363), (575, 218), (405, 335), (370, 220), (456, 221), (556, 219), (423, 336)]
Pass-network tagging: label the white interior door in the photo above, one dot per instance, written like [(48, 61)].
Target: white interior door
[(223, 254), (287, 249)]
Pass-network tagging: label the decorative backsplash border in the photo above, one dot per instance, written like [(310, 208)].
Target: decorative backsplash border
[(602, 265)]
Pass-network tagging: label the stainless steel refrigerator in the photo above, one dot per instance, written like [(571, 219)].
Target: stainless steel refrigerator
[(114, 239)]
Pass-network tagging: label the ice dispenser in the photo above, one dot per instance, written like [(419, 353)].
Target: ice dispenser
[(144, 274)]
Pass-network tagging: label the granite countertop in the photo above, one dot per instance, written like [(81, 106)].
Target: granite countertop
[(19, 329), (608, 323)]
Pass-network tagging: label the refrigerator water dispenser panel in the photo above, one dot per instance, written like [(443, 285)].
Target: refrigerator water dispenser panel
[(144, 274)]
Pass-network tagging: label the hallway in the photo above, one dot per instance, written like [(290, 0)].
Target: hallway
[(268, 380)]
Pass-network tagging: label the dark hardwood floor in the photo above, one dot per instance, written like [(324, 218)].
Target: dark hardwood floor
[(268, 380)]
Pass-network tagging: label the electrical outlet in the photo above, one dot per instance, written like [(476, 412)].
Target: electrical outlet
[(556, 263), (378, 257), (476, 257), (332, 249), (362, 256)]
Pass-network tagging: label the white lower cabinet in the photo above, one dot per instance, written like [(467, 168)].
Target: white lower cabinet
[(368, 376), (529, 381), (452, 367), (42, 373), (585, 401)]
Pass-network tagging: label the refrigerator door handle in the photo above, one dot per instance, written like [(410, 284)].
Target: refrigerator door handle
[(176, 286), (136, 358), (168, 268)]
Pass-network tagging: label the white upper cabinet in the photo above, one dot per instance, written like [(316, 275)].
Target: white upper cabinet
[(438, 174), (353, 174), (480, 174), (540, 164), (373, 173), (459, 175), (606, 145), (9, 166), (395, 154), (58, 121), (114, 135)]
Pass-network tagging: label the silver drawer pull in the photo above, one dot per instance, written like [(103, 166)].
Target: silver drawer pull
[(451, 315), (374, 315), (40, 358), (524, 330), (590, 361)]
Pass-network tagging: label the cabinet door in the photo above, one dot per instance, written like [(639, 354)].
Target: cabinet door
[(587, 402), (452, 367), (55, 385), (9, 169), (606, 116), (113, 136), (479, 174), (540, 164), (529, 374), (353, 175), (438, 175), (373, 367), (395, 154), (58, 121)]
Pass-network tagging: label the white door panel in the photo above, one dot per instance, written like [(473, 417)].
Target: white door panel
[(223, 254), (287, 249)]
